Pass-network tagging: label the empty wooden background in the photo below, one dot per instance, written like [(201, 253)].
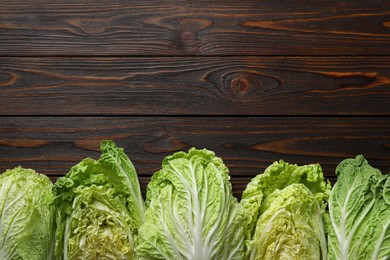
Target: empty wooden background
[(254, 81)]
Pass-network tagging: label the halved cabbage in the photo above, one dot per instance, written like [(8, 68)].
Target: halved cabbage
[(99, 208)]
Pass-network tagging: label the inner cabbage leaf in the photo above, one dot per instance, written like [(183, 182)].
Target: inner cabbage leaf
[(285, 207), (290, 227)]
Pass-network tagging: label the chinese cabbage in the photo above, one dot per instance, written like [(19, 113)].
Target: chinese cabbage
[(284, 206), (191, 212), (359, 212), (26, 215), (99, 208)]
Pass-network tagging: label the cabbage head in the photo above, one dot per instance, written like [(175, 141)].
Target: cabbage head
[(99, 208), (26, 215), (359, 212), (285, 207), (192, 213)]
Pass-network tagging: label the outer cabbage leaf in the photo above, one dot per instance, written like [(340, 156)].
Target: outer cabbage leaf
[(99, 208), (259, 195), (26, 216), (116, 159), (191, 212), (359, 212)]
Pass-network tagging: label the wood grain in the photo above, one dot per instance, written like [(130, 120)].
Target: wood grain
[(166, 28), (254, 81), (51, 145), (195, 86)]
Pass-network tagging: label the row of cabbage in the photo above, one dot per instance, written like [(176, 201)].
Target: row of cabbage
[(96, 211)]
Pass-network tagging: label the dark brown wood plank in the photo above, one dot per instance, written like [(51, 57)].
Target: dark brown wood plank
[(245, 27), (51, 145), (195, 86)]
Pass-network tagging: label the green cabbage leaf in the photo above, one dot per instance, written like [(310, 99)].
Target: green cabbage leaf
[(192, 213), (359, 212), (285, 207), (99, 208), (26, 215)]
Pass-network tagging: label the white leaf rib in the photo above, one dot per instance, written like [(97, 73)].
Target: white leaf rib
[(380, 240)]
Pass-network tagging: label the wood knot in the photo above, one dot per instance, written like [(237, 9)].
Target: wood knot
[(245, 85), (239, 86), (190, 32), (189, 39), (164, 143)]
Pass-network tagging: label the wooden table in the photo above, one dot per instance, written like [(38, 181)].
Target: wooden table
[(254, 81)]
